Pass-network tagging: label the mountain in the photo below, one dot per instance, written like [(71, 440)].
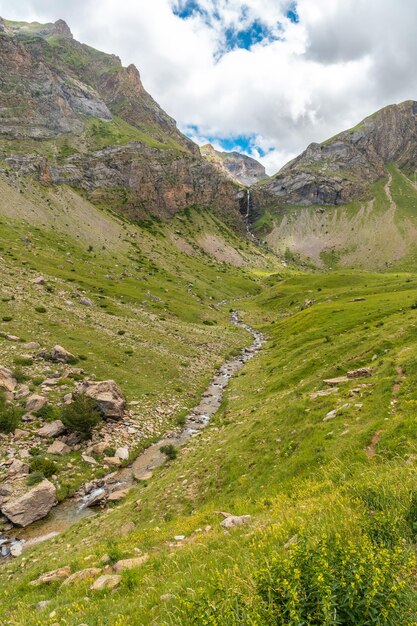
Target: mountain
[(240, 168), (350, 201), (343, 167), (73, 115)]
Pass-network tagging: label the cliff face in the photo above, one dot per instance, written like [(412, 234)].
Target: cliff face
[(238, 167), (72, 114), (343, 167)]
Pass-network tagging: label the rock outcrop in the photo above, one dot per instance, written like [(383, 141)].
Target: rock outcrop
[(109, 137)]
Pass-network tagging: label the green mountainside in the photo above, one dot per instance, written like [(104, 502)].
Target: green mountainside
[(126, 266)]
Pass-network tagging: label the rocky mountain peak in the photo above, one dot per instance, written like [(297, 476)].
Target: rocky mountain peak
[(240, 168), (343, 167)]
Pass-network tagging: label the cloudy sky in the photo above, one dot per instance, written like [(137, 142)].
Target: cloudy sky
[(264, 76)]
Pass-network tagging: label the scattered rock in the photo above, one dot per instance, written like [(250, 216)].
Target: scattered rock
[(88, 459), (19, 433), (333, 382), (35, 403), (17, 468), (130, 563), (108, 581), (58, 354), (32, 345), (98, 448), (22, 392), (116, 496), (52, 429), (7, 381), (43, 604), (59, 447), (122, 453), (81, 576), (50, 577), (39, 280), (235, 520), (330, 415), (323, 392), (12, 338), (16, 549), (86, 301), (32, 505), (362, 372), (112, 460)]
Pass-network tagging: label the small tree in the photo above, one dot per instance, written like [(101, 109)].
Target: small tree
[(82, 415)]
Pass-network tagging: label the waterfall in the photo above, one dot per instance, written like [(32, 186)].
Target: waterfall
[(247, 204)]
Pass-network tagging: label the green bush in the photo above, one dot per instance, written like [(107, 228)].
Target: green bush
[(34, 478), (9, 415), (40, 309), (19, 374), (109, 451), (81, 416), (7, 318), (44, 466), (170, 451), (24, 361), (49, 413)]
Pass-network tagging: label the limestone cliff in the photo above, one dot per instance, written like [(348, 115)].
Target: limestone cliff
[(71, 114)]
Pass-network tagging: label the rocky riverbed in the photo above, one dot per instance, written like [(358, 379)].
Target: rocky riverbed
[(116, 485)]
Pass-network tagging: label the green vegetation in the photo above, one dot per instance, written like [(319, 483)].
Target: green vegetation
[(81, 416), (9, 415), (43, 466), (332, 501)]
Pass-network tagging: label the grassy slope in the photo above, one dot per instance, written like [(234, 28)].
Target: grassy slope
[(267, 453), (161, 299), (363, 234)]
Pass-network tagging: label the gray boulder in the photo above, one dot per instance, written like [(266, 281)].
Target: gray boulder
[(32, 505)]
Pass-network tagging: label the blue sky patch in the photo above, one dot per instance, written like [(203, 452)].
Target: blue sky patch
[(240, 143), (255, 33), (292, 13), (187, 8)]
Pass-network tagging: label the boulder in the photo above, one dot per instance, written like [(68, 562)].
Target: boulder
[(18, 468), (39, 280), (22, 392), (116, 496), (32, 505), (130, 563), (7, 381), (108, 581), (50, 577), (12, 338), (122, 453), (59, 447), (235, 520), (52, 429), (58, 354), (19, 433), (112, 460), (81, 576), (35, 403), (108, 395), (98, 448)]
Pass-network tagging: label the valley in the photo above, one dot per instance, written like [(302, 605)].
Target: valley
[(208, 376)]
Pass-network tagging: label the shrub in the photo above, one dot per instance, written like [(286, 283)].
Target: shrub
[(7, 318), (34, 478), (49, 413), (23, 360), (337, 582), (35, 451), (40, 309), (170, 451), (9, 415), (19, 374), (81, 416), (43, 465), (109, 451)]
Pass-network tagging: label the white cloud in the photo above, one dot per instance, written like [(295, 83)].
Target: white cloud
[(343, 60)]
